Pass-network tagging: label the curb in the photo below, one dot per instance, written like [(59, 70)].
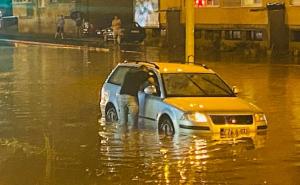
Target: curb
[(56, 45)]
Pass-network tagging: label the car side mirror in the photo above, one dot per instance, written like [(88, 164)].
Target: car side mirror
[(235, 90), (150, 89)]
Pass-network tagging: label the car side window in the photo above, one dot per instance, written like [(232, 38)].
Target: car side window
[(155, 83), (118, 75)]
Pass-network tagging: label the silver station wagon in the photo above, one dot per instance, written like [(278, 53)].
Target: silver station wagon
[(185, 97)]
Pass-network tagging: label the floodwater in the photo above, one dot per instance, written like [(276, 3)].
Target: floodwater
[(51, 134)]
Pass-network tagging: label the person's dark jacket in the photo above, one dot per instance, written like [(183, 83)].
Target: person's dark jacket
[(133, 81)]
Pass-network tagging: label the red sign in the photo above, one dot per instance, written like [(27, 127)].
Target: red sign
[(200, 3)]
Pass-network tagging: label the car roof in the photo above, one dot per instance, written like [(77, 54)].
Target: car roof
[(171, 67)]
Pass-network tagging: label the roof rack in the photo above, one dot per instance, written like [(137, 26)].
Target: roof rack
[(182, 62), (142, 61), (203, 65)]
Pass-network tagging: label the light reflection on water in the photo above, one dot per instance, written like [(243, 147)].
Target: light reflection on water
[(184, 158), (49, 124)]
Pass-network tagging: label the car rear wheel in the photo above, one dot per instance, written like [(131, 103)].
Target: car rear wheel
[(111, 114), (165, 126)]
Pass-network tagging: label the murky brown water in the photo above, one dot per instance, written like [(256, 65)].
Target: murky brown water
[(50, 132)]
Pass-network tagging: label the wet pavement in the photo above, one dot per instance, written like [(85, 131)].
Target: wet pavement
[(12, 34), (51, 134)]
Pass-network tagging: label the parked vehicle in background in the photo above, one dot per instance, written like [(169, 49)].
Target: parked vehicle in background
[(106, 34), (9, 22), (131, 33), (87, 29), (185, 96)]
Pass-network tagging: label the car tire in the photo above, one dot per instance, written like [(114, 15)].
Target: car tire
[(165, 126), (111, 114)]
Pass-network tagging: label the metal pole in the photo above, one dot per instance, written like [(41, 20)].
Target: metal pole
[(88, 10), (38, 16), (189, 31)]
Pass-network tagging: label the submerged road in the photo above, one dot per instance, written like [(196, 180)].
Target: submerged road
[(50, 131)]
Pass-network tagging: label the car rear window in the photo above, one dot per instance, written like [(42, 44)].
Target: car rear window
[(118, 75)]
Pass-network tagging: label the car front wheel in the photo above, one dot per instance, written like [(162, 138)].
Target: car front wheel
[(111, 114), (165, 126)]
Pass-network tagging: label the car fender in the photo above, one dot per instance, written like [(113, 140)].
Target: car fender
[(111, 92), (171, 112)]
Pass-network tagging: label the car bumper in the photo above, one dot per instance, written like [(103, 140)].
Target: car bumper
[(213, 128)]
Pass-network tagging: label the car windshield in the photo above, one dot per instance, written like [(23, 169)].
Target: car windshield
[(195, 85)]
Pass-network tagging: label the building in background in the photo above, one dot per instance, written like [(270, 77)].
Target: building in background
[(6, 18), (221, 24), (229, 24), (40, 16), (5, 8)]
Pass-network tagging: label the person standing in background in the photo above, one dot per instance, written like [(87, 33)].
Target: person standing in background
[(116, 26), (60, 27)]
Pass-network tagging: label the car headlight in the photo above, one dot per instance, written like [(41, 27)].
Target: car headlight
[(195, 116), (260, 117)]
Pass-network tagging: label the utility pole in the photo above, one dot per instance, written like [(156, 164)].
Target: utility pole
[(88, 9), (189, 31), (38, 16)]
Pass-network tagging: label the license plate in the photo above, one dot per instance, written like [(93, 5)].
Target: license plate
[(233, 132)]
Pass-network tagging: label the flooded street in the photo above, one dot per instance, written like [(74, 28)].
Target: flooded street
[(51, 134)]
